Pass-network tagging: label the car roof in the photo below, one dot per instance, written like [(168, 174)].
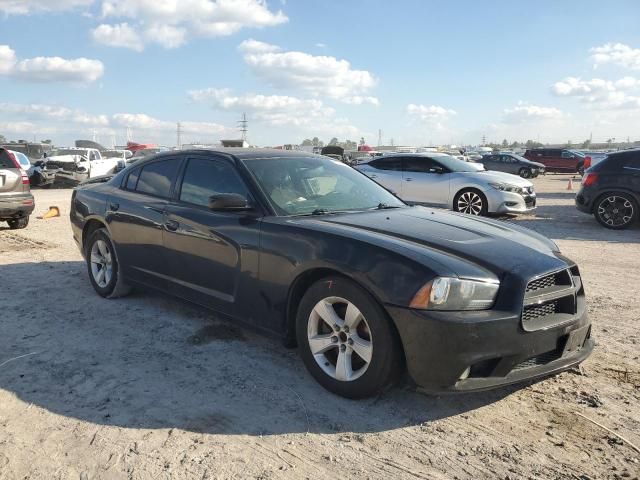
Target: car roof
[(244, 153)]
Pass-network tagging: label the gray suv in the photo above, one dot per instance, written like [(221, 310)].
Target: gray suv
[(16, 200)]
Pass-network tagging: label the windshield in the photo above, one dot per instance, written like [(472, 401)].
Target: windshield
[(68, 151), (575, 152), (113, 154), (307, 185), (455, 164)]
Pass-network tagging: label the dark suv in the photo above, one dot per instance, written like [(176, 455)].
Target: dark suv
[(611, 190), (558, 159), (16, 200)]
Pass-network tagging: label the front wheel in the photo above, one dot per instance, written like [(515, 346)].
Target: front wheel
[(616, 211), (525, 173), (104, 269), (470, 201), (346, 340)]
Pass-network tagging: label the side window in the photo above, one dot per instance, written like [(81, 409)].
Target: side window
[(566, 154), (506, 159), (418, 164), (633, 161), (206, 177), (5, 161), (132, 180), (394, 164), (156, 178)]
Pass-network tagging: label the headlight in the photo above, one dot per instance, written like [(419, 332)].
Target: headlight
[(505, 187), (448, 293)]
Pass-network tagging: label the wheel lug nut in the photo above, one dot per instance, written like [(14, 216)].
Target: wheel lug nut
[(343, 347), (346, 329), (350, 341), (336, 327), (334, 339)]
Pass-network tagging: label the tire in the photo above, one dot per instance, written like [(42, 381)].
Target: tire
[(615, 210), (101, 257), (581, 169), (18, 223), (372, 357), (471, 202), (525, 173)]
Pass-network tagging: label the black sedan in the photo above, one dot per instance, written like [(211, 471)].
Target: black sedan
[(512, 163), (611, 190), (311, 249)]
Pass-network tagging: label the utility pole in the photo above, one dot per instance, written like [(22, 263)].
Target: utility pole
[(243, 126), (179, 136), (379, 137)]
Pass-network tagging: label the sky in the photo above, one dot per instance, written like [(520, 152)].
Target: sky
[(423, 72)]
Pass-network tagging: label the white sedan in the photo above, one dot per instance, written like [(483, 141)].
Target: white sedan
[(443, 181)]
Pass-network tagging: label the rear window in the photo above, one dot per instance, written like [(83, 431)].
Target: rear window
[(156, 178), (5, 160)]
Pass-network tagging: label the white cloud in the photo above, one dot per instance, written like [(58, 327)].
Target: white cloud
[(524, 112), (616, 54), (120, 35), (604, 94), (430, 113), (317, 75), (171, 23), (24, 7), (50, 69), (7, 59), (321, 45), (151, 125), (56, 113)]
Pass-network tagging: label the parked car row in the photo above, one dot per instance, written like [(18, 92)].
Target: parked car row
[(73, 165), (512, 163)]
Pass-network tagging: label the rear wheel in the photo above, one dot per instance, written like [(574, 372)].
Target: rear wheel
[(525, 173), (581, 169), (346, 340), (616, 210), (18, 223), (104, 269), (470, 201)]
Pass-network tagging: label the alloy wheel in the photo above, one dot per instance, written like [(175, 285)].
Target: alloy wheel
[(470, 202), (615, 211), (101, 263), (340, 339)]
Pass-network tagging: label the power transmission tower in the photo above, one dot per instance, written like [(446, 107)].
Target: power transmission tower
[(243, 126), (484, 140), (179, 135), (129, 135)]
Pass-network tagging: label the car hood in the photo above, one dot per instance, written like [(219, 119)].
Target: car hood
[(500, 177), (67, 158), (496, 246)]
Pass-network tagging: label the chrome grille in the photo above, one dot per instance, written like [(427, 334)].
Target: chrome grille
[(555, 279), (551, 299)]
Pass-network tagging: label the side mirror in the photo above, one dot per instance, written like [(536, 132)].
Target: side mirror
[(229, 201)]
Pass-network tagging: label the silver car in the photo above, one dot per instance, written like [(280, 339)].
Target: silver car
[(443, 181)]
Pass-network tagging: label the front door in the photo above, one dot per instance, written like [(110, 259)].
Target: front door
[(425, 181), (210, 254)]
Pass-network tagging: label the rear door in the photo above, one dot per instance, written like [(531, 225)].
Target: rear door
[(424, 180), (136, 219), (509, 164), (568, 161), (210, 254), (387, 171), (490, 162)]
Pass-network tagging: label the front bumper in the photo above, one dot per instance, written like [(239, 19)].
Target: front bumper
[(510, 202), (584, 201), (16, 206), (70, 178), (467, 351)]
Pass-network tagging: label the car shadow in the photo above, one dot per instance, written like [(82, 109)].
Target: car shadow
[(148, 361)]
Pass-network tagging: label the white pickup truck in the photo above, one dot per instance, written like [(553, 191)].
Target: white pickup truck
[(74, 165)]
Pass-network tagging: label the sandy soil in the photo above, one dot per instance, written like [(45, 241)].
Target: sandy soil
[(151, 387)]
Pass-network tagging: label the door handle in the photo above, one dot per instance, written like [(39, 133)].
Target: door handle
[(114, 206), (408, 179), (171, 225)]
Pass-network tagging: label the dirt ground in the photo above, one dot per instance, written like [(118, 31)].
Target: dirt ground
[(148, 387)]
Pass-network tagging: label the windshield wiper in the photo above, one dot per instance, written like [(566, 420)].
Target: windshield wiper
[(384, 206)]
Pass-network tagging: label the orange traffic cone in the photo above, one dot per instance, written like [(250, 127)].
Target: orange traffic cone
[(52, 212), (570, 184)]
